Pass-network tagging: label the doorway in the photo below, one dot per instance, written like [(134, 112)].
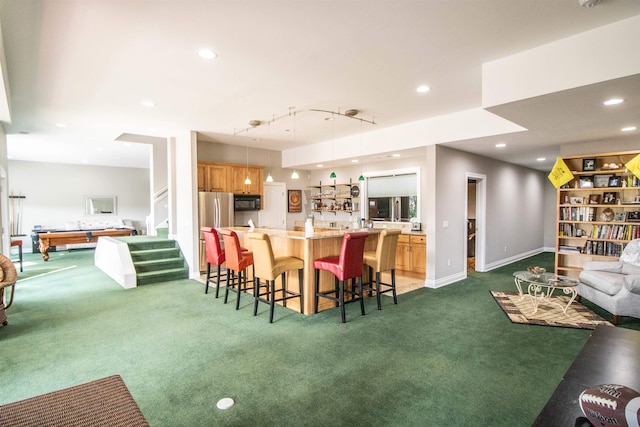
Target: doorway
[(274, 210), (475, 219), (471, 225)]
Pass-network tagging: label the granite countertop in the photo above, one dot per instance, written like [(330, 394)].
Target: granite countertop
[(299, 235)]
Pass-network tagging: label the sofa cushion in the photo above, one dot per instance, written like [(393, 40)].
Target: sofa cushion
[(611, 266), (630, 268), (631, 253), (633, 283), (609, 283)]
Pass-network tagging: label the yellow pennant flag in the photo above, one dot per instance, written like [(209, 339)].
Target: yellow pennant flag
[(634, 165), (560, 174)]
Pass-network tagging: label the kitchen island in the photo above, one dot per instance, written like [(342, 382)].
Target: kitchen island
[(321, 244)]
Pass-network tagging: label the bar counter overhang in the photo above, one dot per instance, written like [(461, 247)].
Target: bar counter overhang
[(319, 245)]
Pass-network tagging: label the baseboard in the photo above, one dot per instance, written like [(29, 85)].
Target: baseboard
[(506, 261), (434, 284)]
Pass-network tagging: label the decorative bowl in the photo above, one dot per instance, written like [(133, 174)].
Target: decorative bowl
[(537, 270)]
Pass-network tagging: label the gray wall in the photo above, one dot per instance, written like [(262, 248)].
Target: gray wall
[(55, 192), (515, 212)]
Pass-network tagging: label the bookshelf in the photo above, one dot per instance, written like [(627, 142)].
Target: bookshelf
[(598, 212)]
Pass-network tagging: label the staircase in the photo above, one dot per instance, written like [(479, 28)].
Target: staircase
[(157, 260)]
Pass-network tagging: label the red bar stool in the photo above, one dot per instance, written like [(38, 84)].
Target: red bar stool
[(237, 261), (268, 267), (18, 243), (383, 259), (348, 265), (214, 254)]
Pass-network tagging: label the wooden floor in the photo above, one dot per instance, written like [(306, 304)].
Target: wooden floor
[(405, 281)]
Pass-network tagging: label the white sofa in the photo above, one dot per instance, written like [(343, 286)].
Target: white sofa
[(95, 225), (614, 285)]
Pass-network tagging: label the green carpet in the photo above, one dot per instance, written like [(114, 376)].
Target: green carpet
[(440, 357)]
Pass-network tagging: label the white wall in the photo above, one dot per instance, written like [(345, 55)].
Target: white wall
[(55, 192)]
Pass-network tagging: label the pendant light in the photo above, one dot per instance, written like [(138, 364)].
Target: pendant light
[(361, 177), (247, 181), (332, 175), (269, 177), (294, 175)]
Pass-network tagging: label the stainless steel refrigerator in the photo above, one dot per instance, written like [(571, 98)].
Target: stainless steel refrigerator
[(214, 210)]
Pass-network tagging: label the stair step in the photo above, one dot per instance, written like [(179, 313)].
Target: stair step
[(152, 254), (163, 275), (152, 244), (159, 264)]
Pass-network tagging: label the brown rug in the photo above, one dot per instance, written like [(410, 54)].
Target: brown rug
[(548, 315), (102, 403)]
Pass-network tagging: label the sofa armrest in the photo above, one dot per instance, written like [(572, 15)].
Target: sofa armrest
[(632, 282), (610, 266)]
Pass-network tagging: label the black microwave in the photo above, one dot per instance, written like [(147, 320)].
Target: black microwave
[(246, 202)]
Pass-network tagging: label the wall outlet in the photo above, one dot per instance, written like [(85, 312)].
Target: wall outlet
[(505, 248), (445, 224), (449, 262)]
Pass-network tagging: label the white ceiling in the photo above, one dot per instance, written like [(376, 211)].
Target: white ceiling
[(90, 63)]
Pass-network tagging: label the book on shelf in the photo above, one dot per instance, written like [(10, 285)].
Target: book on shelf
[(577, 213), (592, 247), (574, 249)]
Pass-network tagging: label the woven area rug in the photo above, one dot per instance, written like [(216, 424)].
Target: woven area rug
[(548, 315)]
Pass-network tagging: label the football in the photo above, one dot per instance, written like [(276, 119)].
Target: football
[(611, 405)]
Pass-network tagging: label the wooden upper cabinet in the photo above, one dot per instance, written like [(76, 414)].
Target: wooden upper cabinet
[(217, 177), (227, 177), (202, 180), (213, 177), (239, 174)]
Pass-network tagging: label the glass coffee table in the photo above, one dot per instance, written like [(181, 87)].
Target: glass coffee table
[(540, 288)]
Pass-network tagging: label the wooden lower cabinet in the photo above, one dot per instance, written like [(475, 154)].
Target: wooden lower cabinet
[(411, 253)]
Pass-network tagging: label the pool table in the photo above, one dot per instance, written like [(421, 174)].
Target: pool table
[(70, 237)]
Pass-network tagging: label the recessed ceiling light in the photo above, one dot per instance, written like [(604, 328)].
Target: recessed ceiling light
[(85, 161), (613, 101), (541, 159), (207, 54), (628, 129), (320, 166), (61, 125), (355, 161), (423, 89), (148, 104), (395, 155), (99, 148), (501, 145)]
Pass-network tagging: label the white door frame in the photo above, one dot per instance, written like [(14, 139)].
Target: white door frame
[(481, 208)]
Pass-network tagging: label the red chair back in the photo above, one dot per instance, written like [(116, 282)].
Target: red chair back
[(213, 250), (351, 252), (237, 260)]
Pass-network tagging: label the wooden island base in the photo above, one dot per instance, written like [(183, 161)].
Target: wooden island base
[(294, 243)]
